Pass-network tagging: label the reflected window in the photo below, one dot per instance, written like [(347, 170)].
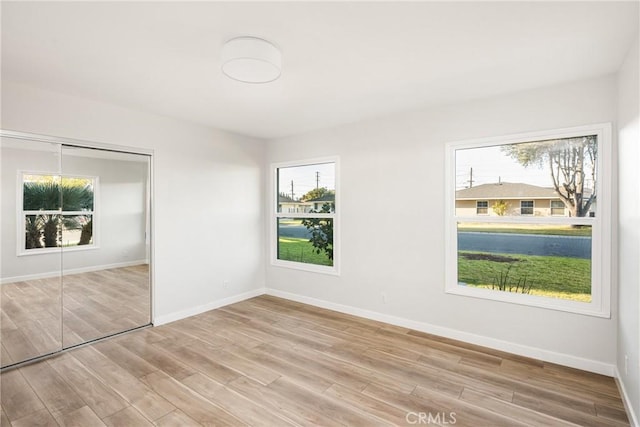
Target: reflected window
[(57, 211)]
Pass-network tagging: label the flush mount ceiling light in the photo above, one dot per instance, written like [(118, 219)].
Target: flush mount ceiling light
[(251, 60)]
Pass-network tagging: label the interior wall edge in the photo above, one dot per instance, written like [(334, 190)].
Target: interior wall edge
[(518, 349), (626, 400), (190, 161), (193, 311)]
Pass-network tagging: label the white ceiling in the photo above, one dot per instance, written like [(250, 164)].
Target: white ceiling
[(342, 61)]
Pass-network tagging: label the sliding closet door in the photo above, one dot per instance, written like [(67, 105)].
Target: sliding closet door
[(105, 229), (30, 301)]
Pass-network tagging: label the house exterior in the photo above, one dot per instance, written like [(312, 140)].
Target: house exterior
[(318, 202), (517, 199), (288, 205)]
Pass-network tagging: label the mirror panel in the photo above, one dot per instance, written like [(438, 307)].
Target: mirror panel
[(30, 277), (104, 229)]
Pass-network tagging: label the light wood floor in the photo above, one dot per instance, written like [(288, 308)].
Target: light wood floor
[(92, 305), (268, 361)]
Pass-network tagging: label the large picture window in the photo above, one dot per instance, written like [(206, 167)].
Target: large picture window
[(544, 242), (305, 221), (56, 212)]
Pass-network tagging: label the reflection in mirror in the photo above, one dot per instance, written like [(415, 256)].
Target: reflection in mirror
[(31, 255), (106, 287)]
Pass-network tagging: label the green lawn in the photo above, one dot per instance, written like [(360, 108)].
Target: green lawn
[(556, 277), (554, 230), (301, 250)]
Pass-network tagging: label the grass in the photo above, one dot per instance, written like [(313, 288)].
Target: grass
[(545, 229), (301, 250), (550, 276)]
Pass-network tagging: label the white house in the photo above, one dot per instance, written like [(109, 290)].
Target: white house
[(519, 200)]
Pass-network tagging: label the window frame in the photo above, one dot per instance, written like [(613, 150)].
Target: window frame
[(551, 208), (275, 215), (22, 214), (601, 244), (483, 207), (532, 207)]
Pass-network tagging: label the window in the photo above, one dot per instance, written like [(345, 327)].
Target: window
[(526, 207), (482, 207), (56, 212), (305, 221), (557, 258), (557, 207)]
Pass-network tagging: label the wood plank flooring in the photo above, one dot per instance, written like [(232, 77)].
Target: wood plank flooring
[(96, 304), (273, 362)]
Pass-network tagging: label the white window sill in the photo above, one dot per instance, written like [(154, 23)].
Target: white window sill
[(313, 268), (587, 308), (63, 249)]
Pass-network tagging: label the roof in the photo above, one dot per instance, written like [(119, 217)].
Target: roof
[(286, 199), (330, 197), (506, 190)]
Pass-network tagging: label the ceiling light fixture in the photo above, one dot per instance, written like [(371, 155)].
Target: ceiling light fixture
[(251, 60)]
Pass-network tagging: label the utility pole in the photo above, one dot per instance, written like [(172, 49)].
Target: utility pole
[(317, 179), (292, 194), (470, 177)]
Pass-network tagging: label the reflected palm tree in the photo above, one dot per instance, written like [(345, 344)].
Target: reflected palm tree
[(70, 195)]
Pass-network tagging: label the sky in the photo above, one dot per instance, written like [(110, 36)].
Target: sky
[(491, 165), (304, 178)]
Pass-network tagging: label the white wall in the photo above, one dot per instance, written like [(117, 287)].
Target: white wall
[(399, 161), (629, 227), (120, 221), (208, 192)]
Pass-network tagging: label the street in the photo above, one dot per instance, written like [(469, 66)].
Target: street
[(526, 244)]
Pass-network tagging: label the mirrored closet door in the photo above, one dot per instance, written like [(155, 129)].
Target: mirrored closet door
[(31, 287), (75, 246)]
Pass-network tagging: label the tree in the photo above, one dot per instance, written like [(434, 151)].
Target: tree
[(500, 207), (321, 230), (33, 233), (43, 230), (316, 193), (569, 161)]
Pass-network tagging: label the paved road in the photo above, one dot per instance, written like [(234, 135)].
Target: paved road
[(527, 244), (294, 231)]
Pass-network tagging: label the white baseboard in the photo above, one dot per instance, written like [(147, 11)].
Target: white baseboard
[(633, 418), (519, 349), (66, 271), (172, 317)]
